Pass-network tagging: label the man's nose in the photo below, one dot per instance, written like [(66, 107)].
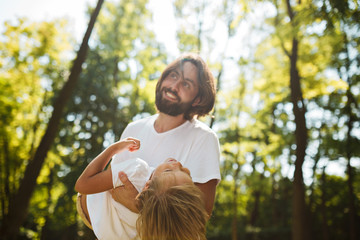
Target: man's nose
[(176, 84)]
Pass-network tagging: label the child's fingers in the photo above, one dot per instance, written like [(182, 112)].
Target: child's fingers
[(134, 144), (133, 140)]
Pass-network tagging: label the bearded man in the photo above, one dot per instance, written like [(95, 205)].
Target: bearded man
[(185, 91)]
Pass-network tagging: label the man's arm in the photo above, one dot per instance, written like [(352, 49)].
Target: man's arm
[(209, 190), (125, 194)]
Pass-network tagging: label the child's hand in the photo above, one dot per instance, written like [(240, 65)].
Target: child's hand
[(132, 144)]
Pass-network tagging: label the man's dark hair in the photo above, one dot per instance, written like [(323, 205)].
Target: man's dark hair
[(205, 80)]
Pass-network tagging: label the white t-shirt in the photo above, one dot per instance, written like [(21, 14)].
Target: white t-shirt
[(110, 219), (193, 144)]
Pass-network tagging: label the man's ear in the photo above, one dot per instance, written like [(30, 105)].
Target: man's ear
[(196, 101)]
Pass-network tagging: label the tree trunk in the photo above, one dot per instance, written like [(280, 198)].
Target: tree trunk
[(5, 186), (234, 228), (299, 229), (45, 231), (256, 196), (235, 205), (350, 175), (275, 216), (324, 220), (19, 207), (352, 209), (349, 144), (255, 211), (212, 120)]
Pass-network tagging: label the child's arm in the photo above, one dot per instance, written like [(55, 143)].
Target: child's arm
[(94, 179)]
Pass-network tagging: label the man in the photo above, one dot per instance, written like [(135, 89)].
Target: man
[(184, 91)]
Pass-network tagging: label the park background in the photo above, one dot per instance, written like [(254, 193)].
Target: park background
[(287, 110)]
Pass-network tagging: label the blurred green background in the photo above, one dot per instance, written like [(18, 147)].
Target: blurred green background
[(287, 110)]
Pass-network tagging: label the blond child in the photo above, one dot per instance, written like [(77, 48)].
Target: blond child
[(169, 205)]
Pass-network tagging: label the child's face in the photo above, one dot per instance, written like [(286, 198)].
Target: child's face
[(174, 167)]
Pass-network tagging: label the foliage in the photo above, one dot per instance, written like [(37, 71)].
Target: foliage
[(114, 89), (253, 114), (33, 65)]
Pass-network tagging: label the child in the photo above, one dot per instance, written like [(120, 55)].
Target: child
[(170, 206)]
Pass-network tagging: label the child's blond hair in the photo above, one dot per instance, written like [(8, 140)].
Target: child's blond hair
[(171, 212)]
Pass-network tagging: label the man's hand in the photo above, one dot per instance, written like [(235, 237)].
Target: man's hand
[(125, 194)]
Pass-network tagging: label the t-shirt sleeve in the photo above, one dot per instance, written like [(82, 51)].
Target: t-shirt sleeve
[(205, 159), (137, 170), (125, 133)]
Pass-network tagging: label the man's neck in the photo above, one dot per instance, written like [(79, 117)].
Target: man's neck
[(164, 122)]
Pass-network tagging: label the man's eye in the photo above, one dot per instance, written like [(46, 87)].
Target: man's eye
[(185, 84), (168, 170), (173, 75)]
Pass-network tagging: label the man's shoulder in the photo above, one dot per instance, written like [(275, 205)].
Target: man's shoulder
[(201, 127), (138, 126)]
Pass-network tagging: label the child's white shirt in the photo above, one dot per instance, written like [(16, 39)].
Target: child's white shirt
[(110, 219)]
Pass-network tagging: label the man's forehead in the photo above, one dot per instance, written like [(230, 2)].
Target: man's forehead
[(187, 71)]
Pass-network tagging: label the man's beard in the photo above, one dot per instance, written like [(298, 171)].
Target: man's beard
[(168, 107)]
